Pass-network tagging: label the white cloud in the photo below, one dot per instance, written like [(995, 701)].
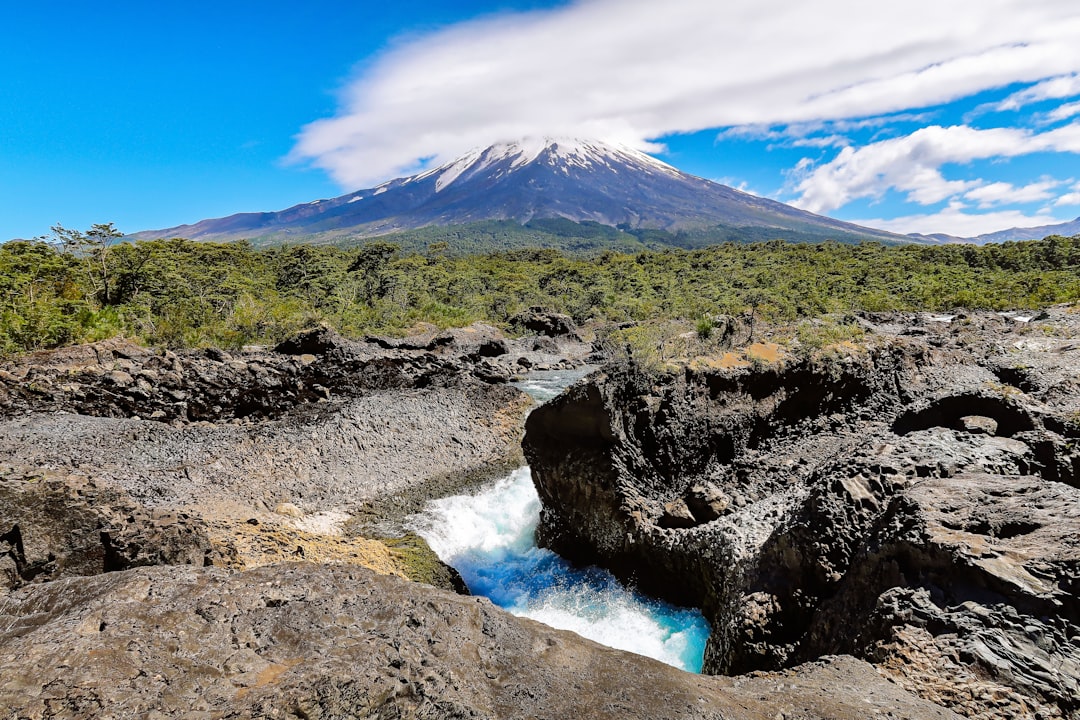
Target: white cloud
[(1003, 193), (822, 141), (808, 133), (1063, 112), (635, 70), (955, 220), (1065, 86), (740, 185), (1072, 198), (912, 163)]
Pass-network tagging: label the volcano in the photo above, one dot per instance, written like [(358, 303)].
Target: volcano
[(577, 180)]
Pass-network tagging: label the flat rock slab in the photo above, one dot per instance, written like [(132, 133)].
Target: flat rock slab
[(319, 457), (302, 640)]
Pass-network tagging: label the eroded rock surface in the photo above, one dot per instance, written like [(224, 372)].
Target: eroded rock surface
[(321, 456), (797, 502), (303, 640), (982, 570), (270, 446), (54, 525)]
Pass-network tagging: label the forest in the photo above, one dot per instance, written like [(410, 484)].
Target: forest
[(77, 286)]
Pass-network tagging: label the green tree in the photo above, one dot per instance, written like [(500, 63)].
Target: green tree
[(371, 264), (92, 248)]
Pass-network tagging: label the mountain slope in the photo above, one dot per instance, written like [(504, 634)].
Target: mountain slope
[(1067, 229), (572, 179)]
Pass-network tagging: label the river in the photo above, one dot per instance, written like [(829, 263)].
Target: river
[(489, 536)]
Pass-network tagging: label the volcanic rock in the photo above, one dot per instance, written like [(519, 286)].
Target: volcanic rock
[(985, 568), (829, 458), (550, 324), (118, 379), (54, 526), (706, 502), (316, 341), (323, 422), (303, 640), (979, 424)]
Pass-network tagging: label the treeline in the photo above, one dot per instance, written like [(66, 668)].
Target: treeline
[(87, 286), (585, 238)]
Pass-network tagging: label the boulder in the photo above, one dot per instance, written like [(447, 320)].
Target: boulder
[(706, 502), (544, 344), (979, 424), (544, 322), (491, 372), (316, 341), (677, 515), (479, 340), (493, 347)]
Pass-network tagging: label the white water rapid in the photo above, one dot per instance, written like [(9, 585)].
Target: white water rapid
[(489, 537)]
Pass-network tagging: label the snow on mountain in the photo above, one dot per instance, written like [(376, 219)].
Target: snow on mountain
[(562, 153), (571, 178)]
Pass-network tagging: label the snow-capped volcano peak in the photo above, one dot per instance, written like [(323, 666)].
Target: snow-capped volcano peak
[(565, 154), (533, 179)]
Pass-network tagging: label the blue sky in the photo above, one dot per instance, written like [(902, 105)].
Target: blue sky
[(937, 115)]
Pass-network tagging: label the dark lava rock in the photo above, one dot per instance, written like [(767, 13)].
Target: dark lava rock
[(492, 348), (492, 373), (319, 455), (981, 568), (118, 379), (302, 640), (253, 429), (217, 354), (460, 341), (551, 324), (819, 454), (316, 341), (544, 344)]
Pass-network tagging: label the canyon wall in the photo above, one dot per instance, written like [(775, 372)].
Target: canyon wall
[(910, 499)]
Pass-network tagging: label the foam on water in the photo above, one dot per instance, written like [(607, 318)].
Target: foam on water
[(543, 385), (489, 537)]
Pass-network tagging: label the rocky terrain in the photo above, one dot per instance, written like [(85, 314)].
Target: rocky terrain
[(114, 456), (302, 640), (911, 498), (183, 535), (57, 526), (321, 422)]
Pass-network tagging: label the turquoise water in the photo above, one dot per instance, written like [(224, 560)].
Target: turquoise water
[(489, 537)]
